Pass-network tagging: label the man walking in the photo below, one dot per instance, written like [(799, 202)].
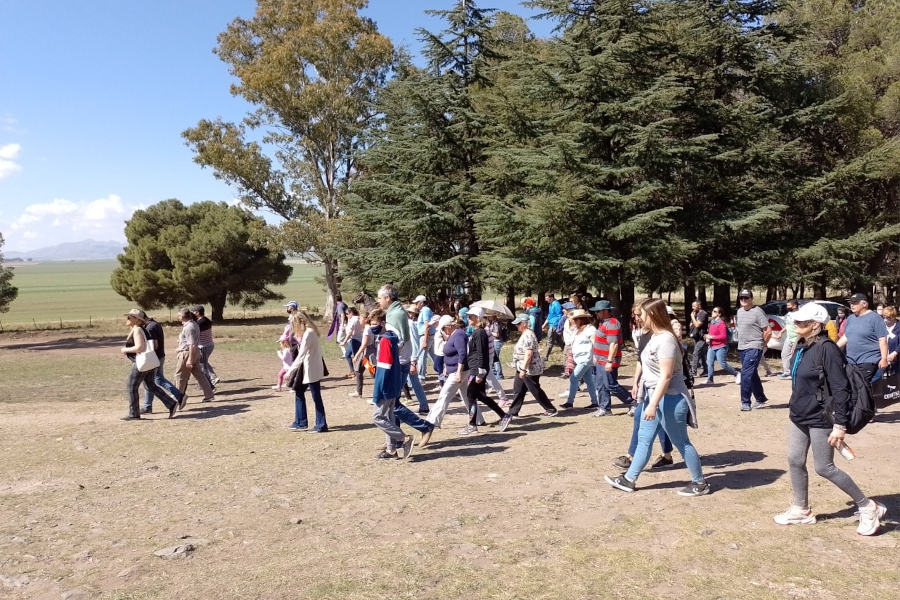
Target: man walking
[(426, 336), (607, 359), (697, 331), (789, 333), (187, 359), (865, 338), (155, 333), (753, 333), (551, 324), (205, 343)]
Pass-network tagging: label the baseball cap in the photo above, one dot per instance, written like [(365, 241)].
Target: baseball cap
[(528, 302), (434, 320), (857, 297), (600, 305), (476, 312), (521, 318), (745, 293), (568, 306), (811, 311), (291, 304), (419, 298), (444, 321)]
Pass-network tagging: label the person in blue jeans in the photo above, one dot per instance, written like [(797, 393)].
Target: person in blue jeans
[(668, 402), (582, 355), (717, 338), (607, 359), (753, 333)]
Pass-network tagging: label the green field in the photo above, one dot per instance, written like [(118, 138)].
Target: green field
[(54, 294)]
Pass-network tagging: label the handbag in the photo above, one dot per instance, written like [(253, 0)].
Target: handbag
[(147, 360)]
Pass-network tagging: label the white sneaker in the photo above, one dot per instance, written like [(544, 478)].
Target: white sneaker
[(353, 395), (631, 411), (564, 394), (796, 515), (600, 412), (870, 518), (708, 381), (737, 379)]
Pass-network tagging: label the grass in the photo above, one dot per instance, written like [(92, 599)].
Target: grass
[(56, 295)]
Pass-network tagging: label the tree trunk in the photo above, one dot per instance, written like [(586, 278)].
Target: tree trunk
[(722, 297), (701, 294), (511, 299), (332, 285), (819, 286), (217, 304), (690, 294), (626, 291)]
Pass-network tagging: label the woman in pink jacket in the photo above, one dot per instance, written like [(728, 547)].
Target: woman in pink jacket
[(718, 345)]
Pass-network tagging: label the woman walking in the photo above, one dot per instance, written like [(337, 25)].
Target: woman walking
[(479, 363), (582, 347), (668, 402), (529, 368), (136, 343), (455, 369), (819, 409), (718, 346), (310, 368)]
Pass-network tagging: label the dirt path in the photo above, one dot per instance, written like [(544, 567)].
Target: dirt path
[(85, 499)]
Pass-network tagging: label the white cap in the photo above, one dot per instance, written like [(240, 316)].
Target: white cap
[(419, 298), (670, 310), (444, 321), (812, 311), (476, 312)]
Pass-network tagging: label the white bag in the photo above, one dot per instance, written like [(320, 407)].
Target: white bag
[(147, 360)]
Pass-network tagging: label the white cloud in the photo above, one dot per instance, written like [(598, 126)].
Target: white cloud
[(62, 220), (8, 155)]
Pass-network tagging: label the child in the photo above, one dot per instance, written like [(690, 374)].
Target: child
[(287, 354)]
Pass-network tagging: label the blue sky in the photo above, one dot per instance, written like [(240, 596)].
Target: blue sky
[(95, 94)]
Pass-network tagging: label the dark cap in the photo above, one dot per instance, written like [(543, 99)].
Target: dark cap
[(857, 297), (745, 293)]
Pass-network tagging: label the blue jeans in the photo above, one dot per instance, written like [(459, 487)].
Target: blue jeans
[(404, 415), (416, 384), (718, 354), (300, 418), (608, 386), (582, 371), (671, 416), (424, 353), (162, 383), (750, 381), (497, 365), (133, 387), (664, 442), (352, 349)]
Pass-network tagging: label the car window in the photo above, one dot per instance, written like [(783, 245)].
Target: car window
[(775, 308)]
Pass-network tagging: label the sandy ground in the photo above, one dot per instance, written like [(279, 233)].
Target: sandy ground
[(86, 500)]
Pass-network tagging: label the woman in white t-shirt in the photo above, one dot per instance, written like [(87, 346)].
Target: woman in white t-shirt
[(669, 402), (582, 346)]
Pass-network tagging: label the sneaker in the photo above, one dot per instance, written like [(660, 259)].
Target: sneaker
[(504, 422), (600, 412), (146, 411), (406, 450), (737, 379), (784, 376), (384, 454), (276, 388), (870, 518), (796, 515), (209, 399), (662, 461), (296, 428), (468, 430), (708, 381), (353, 395), (550, 413), (172, 410), (758, 404), (695, 489), (563, 394), (745, 408), (182, 402), (631, 411), (566, 405), (620, 482), (623, 462)]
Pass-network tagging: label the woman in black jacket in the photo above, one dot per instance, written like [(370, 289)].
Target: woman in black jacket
[(479, 362), (819, 409)]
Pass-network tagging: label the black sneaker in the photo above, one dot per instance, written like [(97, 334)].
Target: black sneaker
[(662, 461), (695, 489), (620, 482), (385, 454), (623, 462)]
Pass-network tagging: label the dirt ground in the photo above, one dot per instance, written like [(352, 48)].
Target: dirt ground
[(86, 500)]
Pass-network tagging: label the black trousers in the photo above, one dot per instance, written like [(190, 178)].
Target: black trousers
[(698, 356), (529, 383), (476, 392)]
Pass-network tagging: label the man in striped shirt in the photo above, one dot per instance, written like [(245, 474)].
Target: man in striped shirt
[(205, 344), (607, 358)]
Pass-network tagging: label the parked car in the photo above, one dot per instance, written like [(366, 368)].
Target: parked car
[(777, 309)]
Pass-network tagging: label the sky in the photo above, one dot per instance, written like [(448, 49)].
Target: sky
[(94, 96)]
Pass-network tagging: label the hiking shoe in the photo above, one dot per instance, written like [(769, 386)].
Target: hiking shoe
[(662, 461), (385, 454), (601, 412), (620, 482), (757, 405), (796, 515), (504, 422), (468, 430), (737, 379), (623, 462), (870, 518), (695, 489)]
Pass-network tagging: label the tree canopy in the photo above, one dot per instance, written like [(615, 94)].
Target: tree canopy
[(203, 253), (8, 292)]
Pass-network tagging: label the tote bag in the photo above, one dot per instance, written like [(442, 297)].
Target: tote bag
[(147, 360)]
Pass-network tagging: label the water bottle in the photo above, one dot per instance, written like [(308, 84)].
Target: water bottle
[(847, 452)]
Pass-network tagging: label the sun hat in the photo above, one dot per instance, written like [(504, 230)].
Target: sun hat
[(600, 305), (521, 318), (411, 308), (476, 312), (579, 313), (419, 298), (811, 311), (444, 321), (137, 314)]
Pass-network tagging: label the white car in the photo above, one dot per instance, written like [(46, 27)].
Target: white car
[(777, 309)]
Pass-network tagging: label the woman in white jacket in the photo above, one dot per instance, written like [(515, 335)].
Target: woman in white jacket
[(583, 354), (311, 365)]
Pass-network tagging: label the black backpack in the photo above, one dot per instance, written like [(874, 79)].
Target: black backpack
[(862, 402)]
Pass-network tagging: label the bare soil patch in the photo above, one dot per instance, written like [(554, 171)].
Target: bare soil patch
[(86, 500)]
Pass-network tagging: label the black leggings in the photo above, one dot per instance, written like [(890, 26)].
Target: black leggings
[(530, 383), (476, 392)]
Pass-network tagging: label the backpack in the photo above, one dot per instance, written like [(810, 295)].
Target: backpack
[(686, 370), (862, 402), (504, 331)]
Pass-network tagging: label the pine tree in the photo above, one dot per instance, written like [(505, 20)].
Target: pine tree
[(8, 292)]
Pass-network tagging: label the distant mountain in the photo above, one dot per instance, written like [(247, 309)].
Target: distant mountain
[(84, 250)]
